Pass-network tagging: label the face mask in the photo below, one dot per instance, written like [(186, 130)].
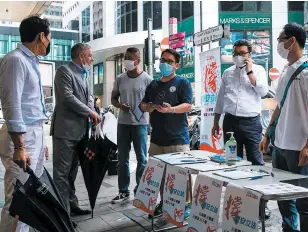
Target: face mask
[(86, 67), (165, 69), (282, 51), (129, 65), (47, 47), (239, 61)]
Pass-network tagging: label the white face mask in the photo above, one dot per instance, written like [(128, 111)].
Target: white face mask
[(282, 51), (239, 61), (129, 65)]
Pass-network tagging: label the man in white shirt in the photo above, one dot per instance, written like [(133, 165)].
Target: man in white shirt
[(239, 97), (291, 133)]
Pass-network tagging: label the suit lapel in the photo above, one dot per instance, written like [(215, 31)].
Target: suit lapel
[(79, 79)]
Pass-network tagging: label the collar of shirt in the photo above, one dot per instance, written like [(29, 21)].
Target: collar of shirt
[(298, 62), (26, 51), (80, 69)]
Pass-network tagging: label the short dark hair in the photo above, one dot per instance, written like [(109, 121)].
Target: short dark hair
[(296, 30), (77, 49), (30, 27), (173, 52), (133, 50), (243, 42)]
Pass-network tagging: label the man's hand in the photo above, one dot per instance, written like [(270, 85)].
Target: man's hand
[(21, 158), (125, 106), (248, 63), (215, 130), (96, 119), (303, 156), (46, 153), (263, 146), (146, 108), (164, 109)]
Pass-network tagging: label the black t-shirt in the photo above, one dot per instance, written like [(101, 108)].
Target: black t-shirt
[(169, 129)]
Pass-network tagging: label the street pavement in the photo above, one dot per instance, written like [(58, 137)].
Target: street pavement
[(120, 217)]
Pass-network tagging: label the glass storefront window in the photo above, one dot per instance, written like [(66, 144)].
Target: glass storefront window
[(249, 6), (181, 10), (296, 5), (86, 25), (100, 74), (152, 10), (126, 17)]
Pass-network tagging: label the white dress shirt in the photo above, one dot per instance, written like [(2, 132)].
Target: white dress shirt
[(292, 128), (237, 96)]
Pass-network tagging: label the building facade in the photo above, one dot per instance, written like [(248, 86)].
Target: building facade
[(54, 14), (110, 27)]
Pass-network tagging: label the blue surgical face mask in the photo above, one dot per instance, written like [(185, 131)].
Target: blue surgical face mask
[(165, 69)]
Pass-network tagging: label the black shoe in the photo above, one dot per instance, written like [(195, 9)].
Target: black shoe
[(74, 224), (120, 198), (158, 210), (79, 212)]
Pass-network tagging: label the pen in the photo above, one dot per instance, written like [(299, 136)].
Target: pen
[(256, 177)]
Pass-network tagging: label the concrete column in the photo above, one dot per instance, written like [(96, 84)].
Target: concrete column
[(109, 77), (279, 19), (109, 23), (140, 15), (165, 18), (91, 21)]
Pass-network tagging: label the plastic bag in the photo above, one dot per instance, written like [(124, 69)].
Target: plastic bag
[(108, 127)]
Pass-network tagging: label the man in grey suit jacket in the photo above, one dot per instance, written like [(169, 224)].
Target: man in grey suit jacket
[(69, 123)]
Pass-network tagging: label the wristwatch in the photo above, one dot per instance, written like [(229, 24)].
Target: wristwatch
[(250, 72), (21, 146)]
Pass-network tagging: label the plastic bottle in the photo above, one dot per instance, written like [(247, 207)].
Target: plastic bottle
[(231, 150)]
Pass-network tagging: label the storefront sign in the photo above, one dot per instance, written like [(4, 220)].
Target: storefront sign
[(173, 26), (206, 204), (175, 195), (177, 36), (177, 44), (211, 79), (208, 35), (240, 209), (149, 186), (245, 20)]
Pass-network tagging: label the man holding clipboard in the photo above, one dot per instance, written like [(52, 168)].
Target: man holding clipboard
[(129, 89)]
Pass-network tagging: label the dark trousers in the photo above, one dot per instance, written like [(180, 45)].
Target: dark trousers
[(65, 169), (248, 133), (288, 160)]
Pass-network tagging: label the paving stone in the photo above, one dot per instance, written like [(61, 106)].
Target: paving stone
[(121, 222), (94, 225)]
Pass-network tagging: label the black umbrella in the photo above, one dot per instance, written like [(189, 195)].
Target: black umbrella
[(94, 163), (39, 204)]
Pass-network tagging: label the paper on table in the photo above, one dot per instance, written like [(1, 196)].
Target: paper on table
[(281, 188), (240, 174), (179, 158)]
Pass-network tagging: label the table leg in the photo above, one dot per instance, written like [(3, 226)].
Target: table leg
[(262, 213)]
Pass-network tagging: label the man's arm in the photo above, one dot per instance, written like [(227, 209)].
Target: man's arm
[(219, 107), (63, 84), (274, 116), (146, 99), (258, 81), (115, 99), (186, 99), (13, 79)]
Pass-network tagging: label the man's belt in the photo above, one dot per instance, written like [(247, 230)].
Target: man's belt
[(241, 117)]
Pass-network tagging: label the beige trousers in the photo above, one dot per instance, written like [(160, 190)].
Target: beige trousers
[(34, 143), (157, 150)]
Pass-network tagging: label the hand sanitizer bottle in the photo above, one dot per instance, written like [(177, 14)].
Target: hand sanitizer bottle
[(231, 150)]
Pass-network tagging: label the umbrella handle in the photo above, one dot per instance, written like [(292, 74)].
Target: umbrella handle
[(15, 223), (29, 170)]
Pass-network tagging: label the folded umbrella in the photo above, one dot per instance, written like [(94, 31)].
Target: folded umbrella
[(94, 163), (39, 204)]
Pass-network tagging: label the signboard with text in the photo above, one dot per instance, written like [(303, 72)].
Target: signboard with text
[(209, 35), (175, 195), (205, 205), (177, 40), (240, 209), (149, 186), (211, 79)]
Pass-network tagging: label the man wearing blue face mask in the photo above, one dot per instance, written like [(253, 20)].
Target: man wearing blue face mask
[(69, 122), (171, 96), (239, 98)]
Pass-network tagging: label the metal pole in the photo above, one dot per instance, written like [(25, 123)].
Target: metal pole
[(150, 50)]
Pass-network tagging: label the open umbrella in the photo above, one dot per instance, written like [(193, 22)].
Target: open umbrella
[(94, 163), (39, 204)]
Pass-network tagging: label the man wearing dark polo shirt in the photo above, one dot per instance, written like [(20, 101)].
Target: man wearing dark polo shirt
[(171, 96)]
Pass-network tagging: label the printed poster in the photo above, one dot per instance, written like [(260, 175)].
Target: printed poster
[(211, 79), (149, 186), (204, 214), (240, 209), (175, 195)]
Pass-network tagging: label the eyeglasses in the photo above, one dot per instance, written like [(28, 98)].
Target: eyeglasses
[(286, 37), (162, 60), (241, 54)]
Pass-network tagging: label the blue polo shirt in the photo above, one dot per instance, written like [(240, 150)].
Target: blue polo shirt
[(169, 129)]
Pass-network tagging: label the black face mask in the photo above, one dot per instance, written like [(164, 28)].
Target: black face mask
[(47, 49)]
